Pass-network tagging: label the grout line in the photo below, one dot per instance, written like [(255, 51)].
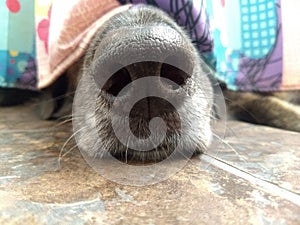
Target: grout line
[(272, 188)]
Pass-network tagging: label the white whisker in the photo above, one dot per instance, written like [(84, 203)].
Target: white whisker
[(67, 141)]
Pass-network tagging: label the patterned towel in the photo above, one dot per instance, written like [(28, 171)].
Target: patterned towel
[(253, 49)]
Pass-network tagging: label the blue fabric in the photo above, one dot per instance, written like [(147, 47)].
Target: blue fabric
[(17, 45)]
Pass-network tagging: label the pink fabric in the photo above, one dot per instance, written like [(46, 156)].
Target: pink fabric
[(66, 32)]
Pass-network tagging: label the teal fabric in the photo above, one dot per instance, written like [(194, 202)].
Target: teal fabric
[(17, 45), (247, 39)]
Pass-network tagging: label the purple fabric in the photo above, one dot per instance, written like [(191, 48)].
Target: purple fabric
[(189, 14)]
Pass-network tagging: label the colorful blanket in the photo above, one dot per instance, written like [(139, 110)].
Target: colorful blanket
[(252, 44)]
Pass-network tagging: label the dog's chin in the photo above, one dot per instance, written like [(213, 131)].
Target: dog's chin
[(171, 147), (176, 143)]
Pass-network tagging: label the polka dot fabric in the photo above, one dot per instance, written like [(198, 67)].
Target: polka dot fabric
[(14, 6), (17, 44)]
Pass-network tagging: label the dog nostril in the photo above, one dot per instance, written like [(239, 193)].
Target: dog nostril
[(174, 74), (117, 82)]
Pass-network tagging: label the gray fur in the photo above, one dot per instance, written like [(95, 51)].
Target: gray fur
[(155, 33)]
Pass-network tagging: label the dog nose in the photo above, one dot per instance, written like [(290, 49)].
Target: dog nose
[(155, 51), (172, 77), (167, 79), (129, 54)]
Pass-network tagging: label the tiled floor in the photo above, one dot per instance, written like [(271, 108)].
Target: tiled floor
[(251, 177)]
